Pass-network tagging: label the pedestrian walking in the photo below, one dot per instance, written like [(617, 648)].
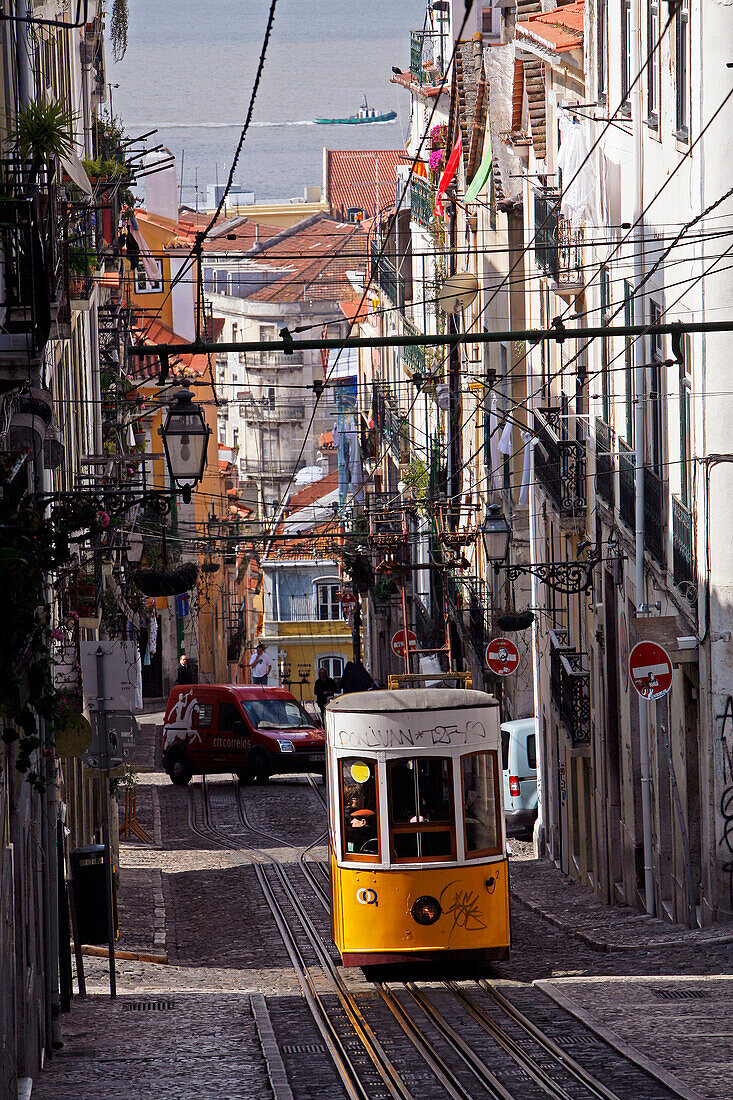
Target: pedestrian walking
[(260, 665), (185, 672), (324, 689)]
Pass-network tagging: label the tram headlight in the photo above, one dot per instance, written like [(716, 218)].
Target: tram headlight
[(426, 910), (286, 746)]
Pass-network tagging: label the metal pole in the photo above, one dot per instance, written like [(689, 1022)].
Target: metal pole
[(639, 443), (104, 762)]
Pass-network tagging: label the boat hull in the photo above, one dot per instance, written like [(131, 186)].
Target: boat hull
[(387, 117)]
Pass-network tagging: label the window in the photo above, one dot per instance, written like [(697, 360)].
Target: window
[(605, 319), (328, 605), (276, 714), (228, 715), (144, 284), (652, 72), (682, 76), (334, 666), (626, 78), (602, 48), (420, 793), (629, 361), (686, 425), (359, 809), (656, 407), (480, 776)]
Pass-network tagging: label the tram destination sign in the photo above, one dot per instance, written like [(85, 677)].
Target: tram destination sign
[(502, 656), (650, 668)]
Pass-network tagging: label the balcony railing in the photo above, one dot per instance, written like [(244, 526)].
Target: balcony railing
[(562, 472), (390, 421), (387, 278), (421, 202), (267, 468), (257, 359), (604, 462), (412, 354), (654, 521), (570, 687), (627, 484), (263, 410), (683, 544), (558, 246), (30, 271), (426, 60)]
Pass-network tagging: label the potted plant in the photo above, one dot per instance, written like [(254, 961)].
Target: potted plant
[(43, 133)]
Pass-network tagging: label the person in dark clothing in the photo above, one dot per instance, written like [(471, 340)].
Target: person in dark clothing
[(355, 678), (324, 690), (185, 672)]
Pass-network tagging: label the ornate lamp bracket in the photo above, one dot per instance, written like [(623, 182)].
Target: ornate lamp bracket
[(567, 577)]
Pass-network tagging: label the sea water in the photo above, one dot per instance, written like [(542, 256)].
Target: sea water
[(190, 66)]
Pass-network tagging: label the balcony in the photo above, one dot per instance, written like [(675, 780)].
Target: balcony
[(413, 355), (255, 360), (604, 463), (266, 468), (683, 547), (627, 484), (560, 464), (422, 202), (426, 58), (30, 273), (387, 418), (259, 411), (387, 278), (570, 687), (558, 246), (654, 520)]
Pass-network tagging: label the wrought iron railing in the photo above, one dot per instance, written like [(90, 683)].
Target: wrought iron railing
[(627, 484), (391, 422), (560, 464), (272, 358), (604, 462), (387, 278), (654, 519), (558, 246), (421, 202), (413, 354), (558, 646), (575, 697), (30, 267), (683, 544), (426, 61)]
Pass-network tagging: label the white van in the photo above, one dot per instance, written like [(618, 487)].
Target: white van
[(519, 762)]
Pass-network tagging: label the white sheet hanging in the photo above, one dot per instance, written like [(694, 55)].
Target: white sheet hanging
[(579, 177)]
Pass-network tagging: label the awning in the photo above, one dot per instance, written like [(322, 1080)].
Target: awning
[(76, 172), (480, 180)]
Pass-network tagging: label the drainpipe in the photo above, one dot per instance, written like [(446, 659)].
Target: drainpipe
[(639, 439)]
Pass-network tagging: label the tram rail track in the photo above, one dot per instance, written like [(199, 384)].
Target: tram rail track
[(450, 1076)]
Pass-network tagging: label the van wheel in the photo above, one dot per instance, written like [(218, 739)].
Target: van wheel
[(178, 767), (259, 767), (244, 775)]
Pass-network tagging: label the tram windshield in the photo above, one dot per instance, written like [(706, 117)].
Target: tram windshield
[(421, 808), (360, 823), (480, 774)]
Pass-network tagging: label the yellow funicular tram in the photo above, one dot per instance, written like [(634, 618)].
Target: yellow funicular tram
[(417, 841)]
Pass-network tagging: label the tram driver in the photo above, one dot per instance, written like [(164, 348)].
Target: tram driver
[(360, 800)]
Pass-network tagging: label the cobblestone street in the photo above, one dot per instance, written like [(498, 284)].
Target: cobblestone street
[(209, 1004)]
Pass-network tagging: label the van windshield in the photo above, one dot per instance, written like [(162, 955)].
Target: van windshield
[(276, 714)]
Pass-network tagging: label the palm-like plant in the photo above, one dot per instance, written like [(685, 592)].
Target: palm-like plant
[(43, 132)]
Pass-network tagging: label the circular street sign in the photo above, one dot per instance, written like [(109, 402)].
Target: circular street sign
[(651, 670), (623, 645), (502, 656), (398, 642), (348, 602)]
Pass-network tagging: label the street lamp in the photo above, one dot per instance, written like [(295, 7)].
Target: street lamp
[(185, 436), (495, 534)]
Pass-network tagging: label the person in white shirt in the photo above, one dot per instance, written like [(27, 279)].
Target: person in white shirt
[(260, 665)]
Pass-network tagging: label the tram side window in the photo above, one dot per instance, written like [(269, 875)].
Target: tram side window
[(481, 803), (359, 817), (421, 809)]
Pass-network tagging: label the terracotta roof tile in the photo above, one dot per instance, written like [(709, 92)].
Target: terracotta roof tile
[(313, 492), (559, 30), (351, 179), (151, 331)]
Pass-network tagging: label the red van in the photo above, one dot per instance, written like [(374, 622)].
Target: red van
[(255, 732)]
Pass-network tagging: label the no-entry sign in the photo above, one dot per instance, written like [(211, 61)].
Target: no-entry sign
[(502, 656), (398, 642), (651, 670), (348, 602)]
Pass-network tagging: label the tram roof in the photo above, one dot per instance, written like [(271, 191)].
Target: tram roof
[(411, 699)]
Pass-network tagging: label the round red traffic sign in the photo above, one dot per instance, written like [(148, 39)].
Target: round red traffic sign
[(398, 642), (650, 669), (348, 601), (502, 656)]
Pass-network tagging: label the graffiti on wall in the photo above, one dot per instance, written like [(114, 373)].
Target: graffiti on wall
[(726, 798)]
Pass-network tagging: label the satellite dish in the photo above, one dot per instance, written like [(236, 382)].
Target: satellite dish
[(458, 292)]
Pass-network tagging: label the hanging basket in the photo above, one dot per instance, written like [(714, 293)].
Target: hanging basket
[(172, 582), (210, 567)]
